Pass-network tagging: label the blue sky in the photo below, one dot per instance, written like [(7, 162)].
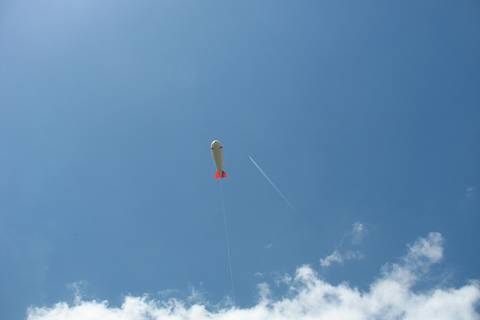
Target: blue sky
[(362, 112)]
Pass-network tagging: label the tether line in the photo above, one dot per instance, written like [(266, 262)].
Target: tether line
[(227, 240)]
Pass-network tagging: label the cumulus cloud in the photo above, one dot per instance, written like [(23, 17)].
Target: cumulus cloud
[(391, 296)]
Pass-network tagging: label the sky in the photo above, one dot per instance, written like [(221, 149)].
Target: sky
[(364, 115)]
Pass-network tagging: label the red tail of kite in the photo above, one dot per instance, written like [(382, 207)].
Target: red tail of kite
[(221, 175)]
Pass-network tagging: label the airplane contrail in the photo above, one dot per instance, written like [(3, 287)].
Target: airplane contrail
[(280, 193)]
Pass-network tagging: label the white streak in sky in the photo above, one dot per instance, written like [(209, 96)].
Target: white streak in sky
[(227, 239), (280, 193)]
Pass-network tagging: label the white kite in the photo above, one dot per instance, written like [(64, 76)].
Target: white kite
[(217, 152)]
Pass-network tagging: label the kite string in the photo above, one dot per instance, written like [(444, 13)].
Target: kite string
[(227, 239)]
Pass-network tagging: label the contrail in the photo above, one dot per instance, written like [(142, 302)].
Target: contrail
[(280, 193)]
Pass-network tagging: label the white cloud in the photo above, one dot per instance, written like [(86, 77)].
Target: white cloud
[(334, 257), (339, 255), (430, 249), (77, 288), (340, 258), (391, 296), (358, 232), (358, 227)]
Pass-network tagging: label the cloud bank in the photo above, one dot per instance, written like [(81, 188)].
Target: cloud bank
[(391, 296)]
